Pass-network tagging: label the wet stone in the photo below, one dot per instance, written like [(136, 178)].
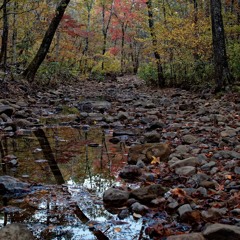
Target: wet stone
[(124, 214), (139, 208), (115, 197)]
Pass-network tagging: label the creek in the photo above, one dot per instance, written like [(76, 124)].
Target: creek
[(69, 168)]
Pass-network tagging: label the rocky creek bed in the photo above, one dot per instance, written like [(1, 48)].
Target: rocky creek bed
[(180, 179)]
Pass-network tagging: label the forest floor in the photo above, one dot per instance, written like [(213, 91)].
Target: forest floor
[(201, 173)]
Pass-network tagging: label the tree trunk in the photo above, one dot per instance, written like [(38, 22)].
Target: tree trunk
[(3, 53), (222, 76), (161, 80), (31, 70), (14, 34)]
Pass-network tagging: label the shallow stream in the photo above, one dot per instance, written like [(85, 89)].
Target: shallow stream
[(70, 166)]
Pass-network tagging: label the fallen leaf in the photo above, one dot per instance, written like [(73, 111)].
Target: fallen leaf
[(155, 160), (118, 229)]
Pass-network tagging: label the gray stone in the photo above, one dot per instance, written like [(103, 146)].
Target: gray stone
[(192, 161), (122, 116), (213, 213), (147, 194), (237, 170), (115, 197), (182, 149), (139, 208), (16, 231), (189, 139), (185, 171), (228, 133), (208, 166), (183, 210), (152, 137), (219, 231)]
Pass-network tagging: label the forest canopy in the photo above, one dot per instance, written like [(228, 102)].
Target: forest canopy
[(168, 39)]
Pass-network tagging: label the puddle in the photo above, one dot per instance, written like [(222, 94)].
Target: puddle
[(88, 164)]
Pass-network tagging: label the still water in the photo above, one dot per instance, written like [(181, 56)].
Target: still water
[(72, 167)]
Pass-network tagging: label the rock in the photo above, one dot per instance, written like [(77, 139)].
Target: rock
[(101, 105), (146, 151), (155, 125), (182, 149), (188, 236), (189, 139), (152, 137), (221, 232), (192, 161), (213, 214), (130, 172), (122, 116), (147, 194), (226, 154), (7, 110), (124, 214), (183, 210), (184, 107), (11, 185), (16, 231), (115, 197), (185, 171), (228, 133), (22, 123), (237, 170), (161, 151), (207, 184), (208, 166), (139, 208)]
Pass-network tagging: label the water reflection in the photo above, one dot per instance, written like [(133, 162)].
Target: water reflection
[(83, 159), (79, 155)]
